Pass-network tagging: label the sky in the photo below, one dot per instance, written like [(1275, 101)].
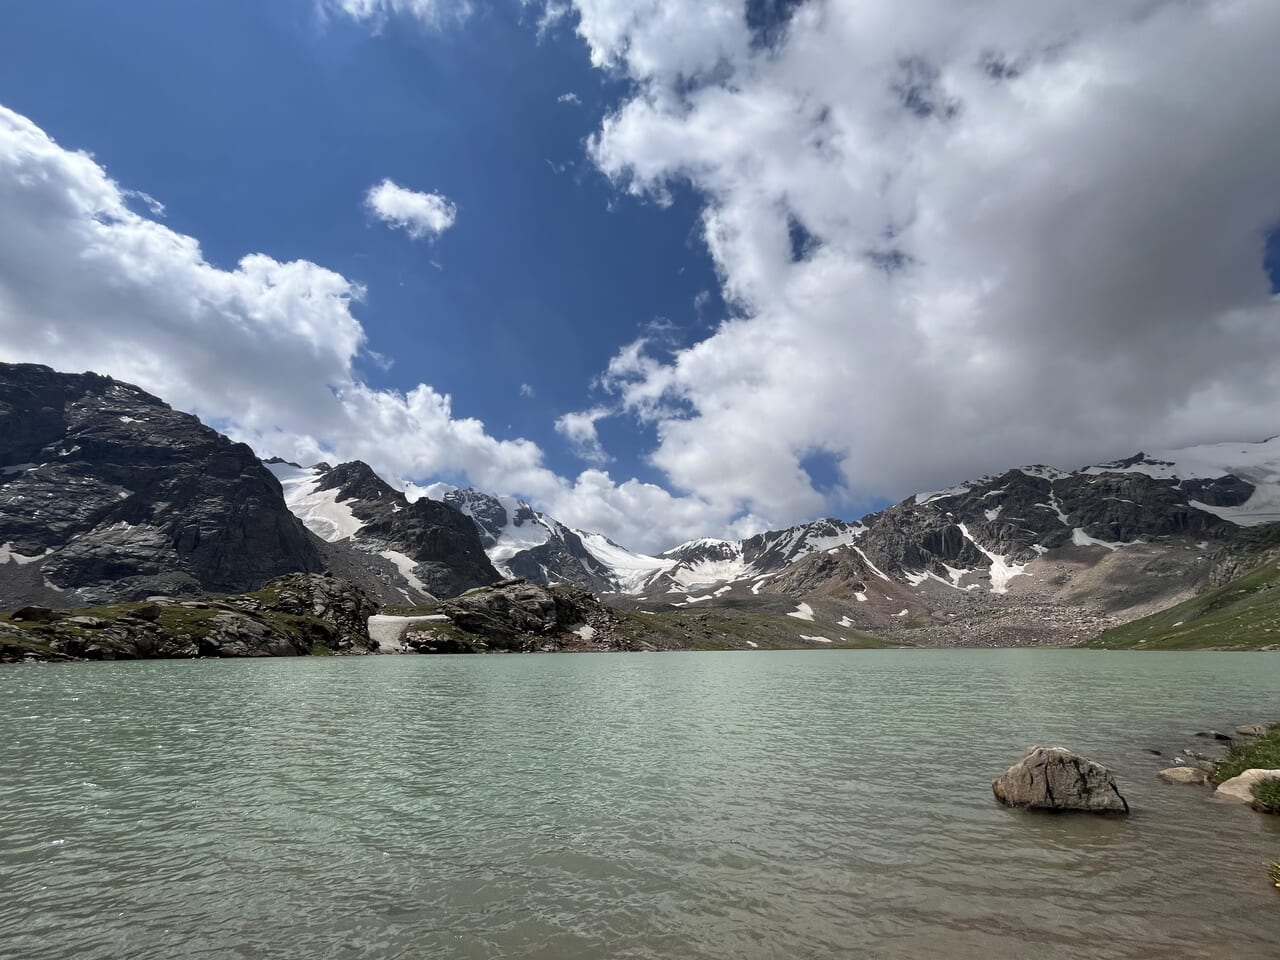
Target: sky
[(666, 268)]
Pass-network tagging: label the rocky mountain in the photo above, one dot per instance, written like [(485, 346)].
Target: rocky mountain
[(400, 551), (1034, 554), (106, 492)]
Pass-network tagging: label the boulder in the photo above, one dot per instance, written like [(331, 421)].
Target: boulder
[(1192, 776), (1251, 730), (1240, 789), (1054, 778), (34, 615)]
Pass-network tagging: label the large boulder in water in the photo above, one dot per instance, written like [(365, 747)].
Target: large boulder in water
[(1054, 778)]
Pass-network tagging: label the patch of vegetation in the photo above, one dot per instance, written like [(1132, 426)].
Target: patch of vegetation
[(1274, 873), (1242, 614), (1266, 796), (318, 649), (720, 628), (1263, 753)]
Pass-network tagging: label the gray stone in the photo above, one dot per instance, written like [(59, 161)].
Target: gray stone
[(1054, 778), (1186, 775), (1240, 789)]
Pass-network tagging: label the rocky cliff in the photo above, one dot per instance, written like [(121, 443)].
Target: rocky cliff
[(106, 492)]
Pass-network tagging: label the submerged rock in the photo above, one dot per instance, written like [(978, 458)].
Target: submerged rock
[(1192, 776), (1240, 789), (1054, 778)]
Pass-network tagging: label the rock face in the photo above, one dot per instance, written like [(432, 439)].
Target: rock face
[(107, 493), (1054, 778), (1240, 789), (293, 616), (399, 550)]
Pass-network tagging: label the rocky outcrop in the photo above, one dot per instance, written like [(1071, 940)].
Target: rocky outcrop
[(512, 613), (293, 616), (1054, 778), (107, 493)]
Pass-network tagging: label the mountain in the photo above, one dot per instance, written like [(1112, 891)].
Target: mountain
[(1033, 555), (400, 551), (108, 493)]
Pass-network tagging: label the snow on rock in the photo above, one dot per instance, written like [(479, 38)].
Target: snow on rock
[(932, 495), (586, 631), (844, 621), (1082, 539), (319, 510), (631, 570), (405, 565), (9, 555), (1001, 571), (753, 645), (860, 597), (874, 569), (902, 613), (802, 612), (816, 639), (1256, 463), (388, 631)]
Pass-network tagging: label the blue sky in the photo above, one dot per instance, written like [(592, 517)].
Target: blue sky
[(774, 260), (260, 126)]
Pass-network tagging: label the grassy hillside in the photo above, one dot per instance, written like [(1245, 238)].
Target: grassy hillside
[(1242, 614)]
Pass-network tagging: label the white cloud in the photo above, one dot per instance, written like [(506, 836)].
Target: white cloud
[(569, 98), (417, 214), (579, 428), (266, 351), (432, 13), (526, 390), (1026, 233)]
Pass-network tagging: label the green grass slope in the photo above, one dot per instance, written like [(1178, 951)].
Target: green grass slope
[(1242, 614)]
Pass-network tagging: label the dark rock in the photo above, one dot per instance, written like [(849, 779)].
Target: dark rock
[(1054, 778), (511, 613), (35, 615), (443, 542), (159, 499)]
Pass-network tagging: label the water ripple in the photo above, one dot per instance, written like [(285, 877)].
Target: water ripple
[(789, 805)]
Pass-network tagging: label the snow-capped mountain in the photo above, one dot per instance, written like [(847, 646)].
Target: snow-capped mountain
[(522, 542), (426, 548)]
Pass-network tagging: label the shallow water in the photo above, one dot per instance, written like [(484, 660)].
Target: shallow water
[(757, 805)]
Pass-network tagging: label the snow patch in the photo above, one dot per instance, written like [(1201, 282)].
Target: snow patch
[(993, 513), (1001, 571), (1082, 539), (388, 631), (802, 612), (816, 639), (902, 613), (860, 597), (405, 565), (874, 569), (586, 631), (319, 510), (9, 555)]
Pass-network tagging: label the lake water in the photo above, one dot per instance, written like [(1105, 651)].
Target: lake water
[(759, 805)]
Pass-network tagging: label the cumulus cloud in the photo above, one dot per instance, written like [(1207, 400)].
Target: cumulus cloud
[(579, 428), (267, 351), (417, 214), (952, 237)]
